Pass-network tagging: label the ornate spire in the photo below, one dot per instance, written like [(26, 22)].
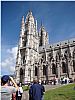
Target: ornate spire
[(30, 12), (22, 27), (29, 17), (42, 27), (22, 23)]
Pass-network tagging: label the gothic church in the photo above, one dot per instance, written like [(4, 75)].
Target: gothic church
[(36, 58)]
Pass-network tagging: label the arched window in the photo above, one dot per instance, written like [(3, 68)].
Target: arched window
[(23, 59), (29, 72), (21, 71), (44, 70), (74, 60), (25, 42), (44, 57), (57, 57), (36, 71), (21, 75), (41, 38), (67, 53), (58, 54), (64, 67), (53, 69), (50, 56)]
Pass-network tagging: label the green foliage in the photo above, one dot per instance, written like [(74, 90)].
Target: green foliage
[(25, 88), (65, 92)]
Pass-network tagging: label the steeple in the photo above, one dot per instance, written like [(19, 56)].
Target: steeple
[(29, 17), (30, 12), (22, 23), (42, 27), (43, 36), (22, 31)]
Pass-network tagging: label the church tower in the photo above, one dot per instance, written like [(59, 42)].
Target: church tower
[(43, 36), (38, 59), (27, 49)]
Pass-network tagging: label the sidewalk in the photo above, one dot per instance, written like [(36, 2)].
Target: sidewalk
[(25, 95)]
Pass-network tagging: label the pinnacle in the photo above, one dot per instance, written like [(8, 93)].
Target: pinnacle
[(30, 12)]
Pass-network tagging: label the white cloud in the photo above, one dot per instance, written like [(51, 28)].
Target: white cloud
[(13, 51), (9, 63)]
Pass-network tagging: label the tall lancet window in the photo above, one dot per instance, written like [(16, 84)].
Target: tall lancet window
[(21, 75), (64, 67), (23, 59), (29, 72), (41, 37), (25, 38), (50, 56), (74, 60), (44, 70), (21, 71), (58, 55), (44, 56), (36, 71), (53, 68)]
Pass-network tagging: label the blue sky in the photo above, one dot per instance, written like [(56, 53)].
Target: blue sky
[(58, 18)]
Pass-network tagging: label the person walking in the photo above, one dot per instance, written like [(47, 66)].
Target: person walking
[(6, 90), (19, 92), (35, 91)]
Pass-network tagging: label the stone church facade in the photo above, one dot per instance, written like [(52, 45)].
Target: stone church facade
[(36, 58)]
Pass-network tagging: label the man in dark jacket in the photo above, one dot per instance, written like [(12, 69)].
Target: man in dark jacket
[(35, 91)]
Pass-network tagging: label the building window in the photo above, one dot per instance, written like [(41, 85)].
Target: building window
[(44, 57), (64, 67), (50, 56), (29, 72), (21, 71), (41, 38), (74, 60), (74, 65), (21, 75), (66, 54), (36, 71), (23, 59), (53, 69), (44, 70)]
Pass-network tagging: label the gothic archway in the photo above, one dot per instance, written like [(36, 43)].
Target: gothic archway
[(44, 70), (67, 53), (29, 73), (64, 67), (67, 57), (36, 71), (58, 55), (44, 57), (74, 60), (57, 61), (21, 75), (23, 59), (53, 68), (50, 56)]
